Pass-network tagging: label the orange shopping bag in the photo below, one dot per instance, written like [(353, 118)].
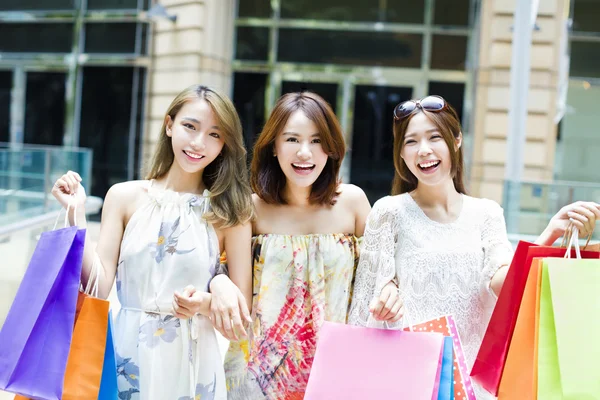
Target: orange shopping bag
[(519, 378)]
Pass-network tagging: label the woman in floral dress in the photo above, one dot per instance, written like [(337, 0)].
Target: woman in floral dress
[(162, 237), (305, 248)]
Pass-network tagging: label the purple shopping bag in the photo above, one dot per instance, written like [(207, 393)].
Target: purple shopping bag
[(353, 362), (36, 336)]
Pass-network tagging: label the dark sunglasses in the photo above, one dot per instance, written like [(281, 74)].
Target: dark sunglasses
[(429, 103)]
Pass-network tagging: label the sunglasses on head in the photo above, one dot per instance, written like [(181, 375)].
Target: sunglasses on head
[(429, 103)]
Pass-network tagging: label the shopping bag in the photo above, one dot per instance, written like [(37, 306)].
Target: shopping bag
[(39, 325), (519, 379), (446, 391), (489, 363), (86, 357), (354, 362), (108, 386), (568, 346), (462, 387)]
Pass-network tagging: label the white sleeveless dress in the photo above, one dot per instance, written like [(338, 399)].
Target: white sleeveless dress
[(167, 245)]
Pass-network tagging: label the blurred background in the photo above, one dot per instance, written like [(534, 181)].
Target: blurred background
[(84, 85)]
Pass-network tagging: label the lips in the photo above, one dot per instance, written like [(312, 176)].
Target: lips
[(193, 156), (303, 168), (429, 165)]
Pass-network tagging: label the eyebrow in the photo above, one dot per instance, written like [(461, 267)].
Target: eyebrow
[(427, 131), (197, 122), (297, 134)]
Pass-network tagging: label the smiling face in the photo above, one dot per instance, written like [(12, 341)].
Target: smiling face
[(195, 136), (299, 151), (426, 153)]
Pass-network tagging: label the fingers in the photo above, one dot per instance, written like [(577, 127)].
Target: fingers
[(227, 328), (237, 325), (391, 307), (399, 313), (387, 308), (218, 323), (378, 303), (180, 312)]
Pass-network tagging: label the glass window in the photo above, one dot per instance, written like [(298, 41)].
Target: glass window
[(372, 157), (585, 59), (45, 108), (5, 99), (398, 11), (448, 52), (28, 5), (454, 93), (328, 91), (585, 16), (252, 43), (346, 47), (105, 122), (139, 123), (451, 12), (110, 38), (36, 38), (111, 4), (254, 8), (249, 99)]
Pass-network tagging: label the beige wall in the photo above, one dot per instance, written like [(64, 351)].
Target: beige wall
[(196, 49), (493, 95)]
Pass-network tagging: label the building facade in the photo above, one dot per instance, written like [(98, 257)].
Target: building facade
[(101, 74)]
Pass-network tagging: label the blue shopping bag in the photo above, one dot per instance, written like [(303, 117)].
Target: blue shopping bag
[(108, 385)]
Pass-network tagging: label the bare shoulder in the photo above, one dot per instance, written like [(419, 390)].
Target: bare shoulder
[(352, 196), (126, 196)]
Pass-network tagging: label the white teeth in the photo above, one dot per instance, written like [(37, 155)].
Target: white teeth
[(303, 165), (193, 155), (429, 164)]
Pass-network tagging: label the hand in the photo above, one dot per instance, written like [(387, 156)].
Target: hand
[(389, 306), (582, 214), (189, 303), (226, 306), (67, 185)]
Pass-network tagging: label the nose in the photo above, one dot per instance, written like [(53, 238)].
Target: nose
[(304, 152), (197, 142), (424, 148)]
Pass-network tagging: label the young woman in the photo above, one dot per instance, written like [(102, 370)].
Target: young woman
[(162, 238), (305, 248), (448, 252)]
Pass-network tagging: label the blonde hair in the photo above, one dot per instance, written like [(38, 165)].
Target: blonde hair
[(227, 176)]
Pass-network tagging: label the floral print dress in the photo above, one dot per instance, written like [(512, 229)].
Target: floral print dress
[(167, 245), (299, 282)]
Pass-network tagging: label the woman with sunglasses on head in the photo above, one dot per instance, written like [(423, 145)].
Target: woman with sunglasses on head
[(447, 252)]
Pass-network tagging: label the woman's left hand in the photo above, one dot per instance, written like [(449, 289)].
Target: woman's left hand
[(583, 215)]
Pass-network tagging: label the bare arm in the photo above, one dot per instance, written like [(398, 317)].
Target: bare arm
[(106, 254), (238, 241)]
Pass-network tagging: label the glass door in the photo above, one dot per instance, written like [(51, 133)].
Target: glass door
[(371, 153)]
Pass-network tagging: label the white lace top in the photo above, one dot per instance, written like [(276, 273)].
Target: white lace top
[(442, 268)]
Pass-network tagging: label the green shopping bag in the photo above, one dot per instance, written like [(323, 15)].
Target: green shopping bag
[(569, 329)]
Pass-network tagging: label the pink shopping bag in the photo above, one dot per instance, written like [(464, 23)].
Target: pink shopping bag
[(353, 362)]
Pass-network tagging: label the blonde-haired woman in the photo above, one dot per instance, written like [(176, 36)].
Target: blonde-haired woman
[(162, 237)]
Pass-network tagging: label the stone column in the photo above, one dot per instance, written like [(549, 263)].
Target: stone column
[(493, 95), (197, 48)]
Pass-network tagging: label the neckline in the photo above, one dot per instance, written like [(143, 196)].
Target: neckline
[(308, 235), (152, 187), (425, 217)]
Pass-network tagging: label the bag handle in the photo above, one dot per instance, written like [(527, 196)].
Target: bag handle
[(70, 204), (569, 233), (93, 283), (574, 243)]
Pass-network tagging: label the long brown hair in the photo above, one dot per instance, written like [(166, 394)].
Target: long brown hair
[(267, 178), (227, 176), (448, 124)]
